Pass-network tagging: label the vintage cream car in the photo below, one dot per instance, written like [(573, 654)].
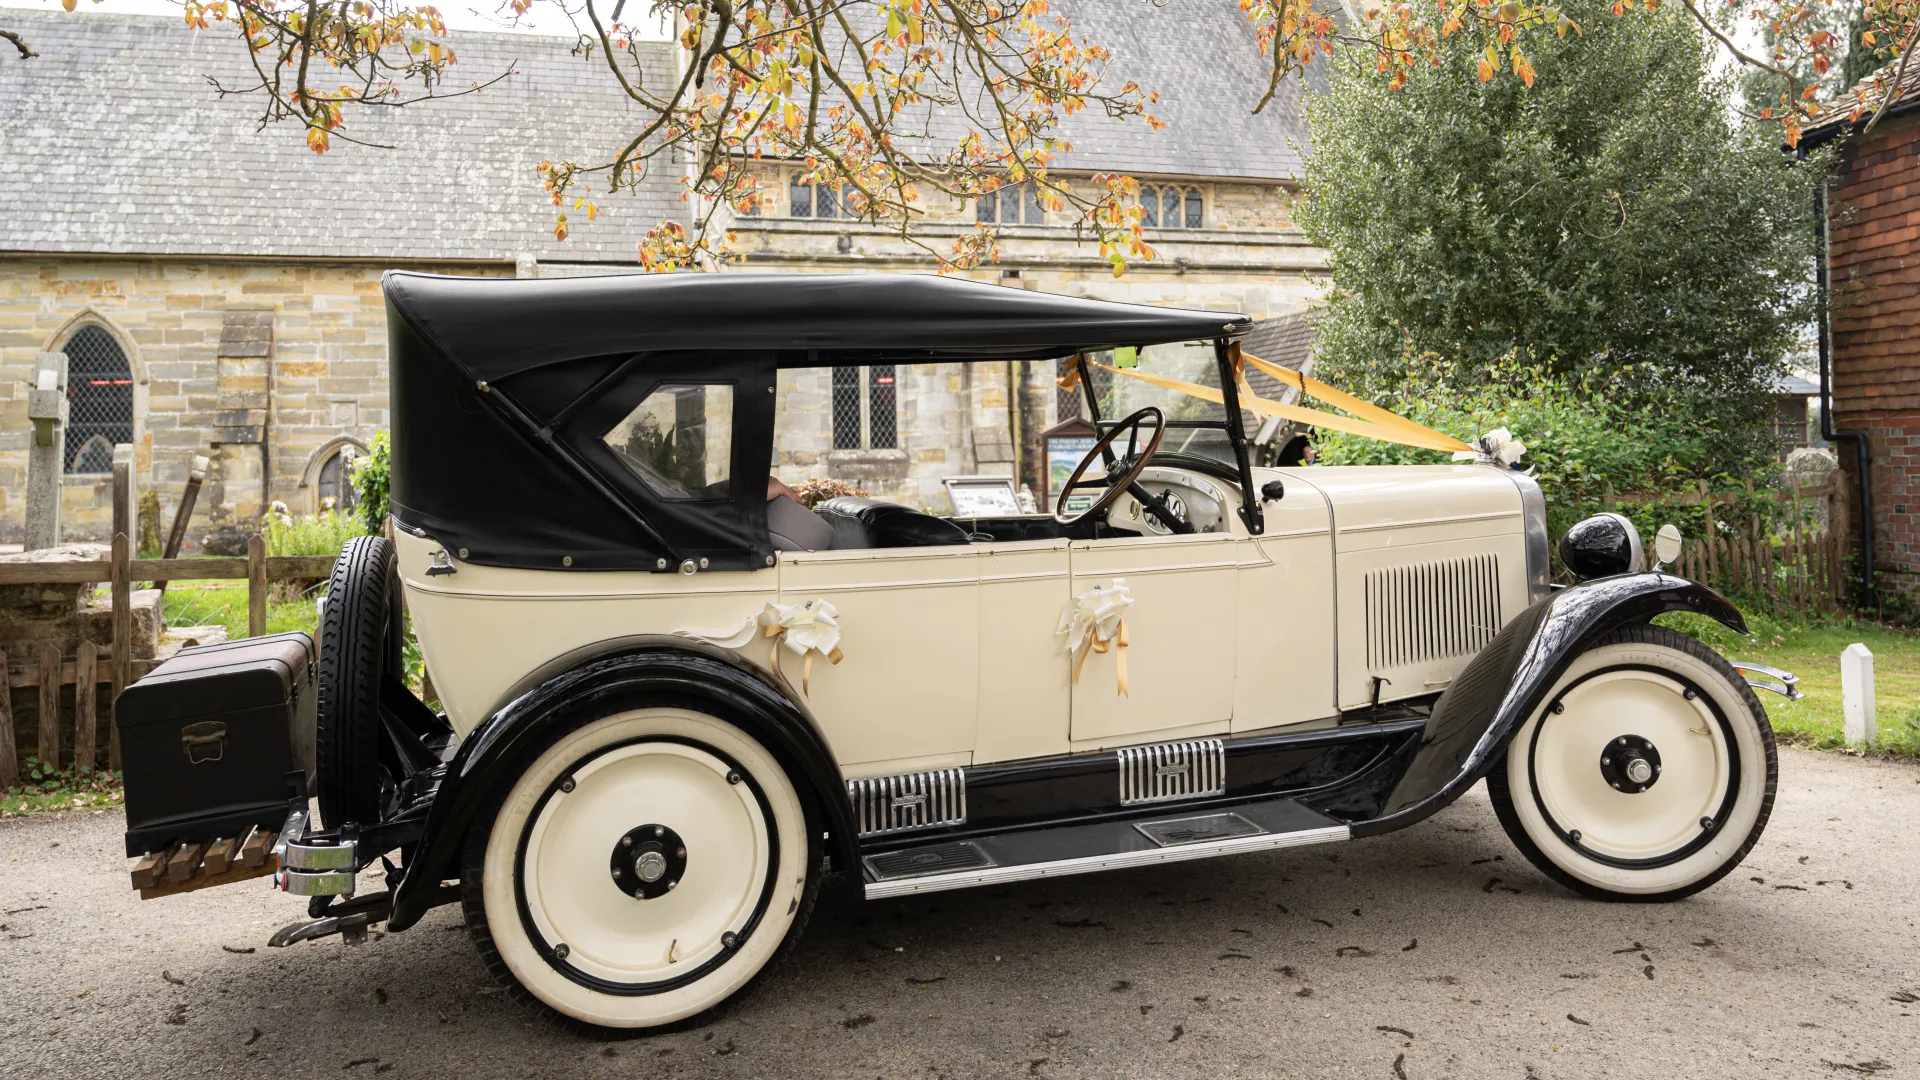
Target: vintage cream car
[(672, 703)]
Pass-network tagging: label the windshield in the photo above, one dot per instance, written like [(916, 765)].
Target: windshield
[(1193, 362)]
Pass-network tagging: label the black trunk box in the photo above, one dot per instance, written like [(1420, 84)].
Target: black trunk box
[(217, 739)]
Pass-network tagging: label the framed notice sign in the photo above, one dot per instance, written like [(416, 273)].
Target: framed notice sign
[(982, 496)]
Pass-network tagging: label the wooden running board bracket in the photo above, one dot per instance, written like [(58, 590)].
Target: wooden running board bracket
[(183, 868)]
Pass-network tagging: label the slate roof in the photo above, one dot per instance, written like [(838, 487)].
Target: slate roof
[(113, 141), (1199, 55)]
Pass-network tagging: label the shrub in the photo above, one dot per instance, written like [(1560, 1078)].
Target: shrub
[(324, 533), (372, 481), (1586, 448)]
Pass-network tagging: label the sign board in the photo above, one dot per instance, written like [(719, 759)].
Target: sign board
[(982, 496)]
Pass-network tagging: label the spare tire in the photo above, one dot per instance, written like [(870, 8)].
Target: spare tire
[(360, 645)]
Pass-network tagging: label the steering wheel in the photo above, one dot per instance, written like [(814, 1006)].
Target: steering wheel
[(1123, 474)]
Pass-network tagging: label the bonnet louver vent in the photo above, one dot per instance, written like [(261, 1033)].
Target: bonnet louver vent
[(1431, 611)]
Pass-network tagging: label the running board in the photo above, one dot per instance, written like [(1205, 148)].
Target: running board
[(1106, 845)]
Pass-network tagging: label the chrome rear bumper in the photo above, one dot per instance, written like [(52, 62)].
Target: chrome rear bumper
[(1772, 679)]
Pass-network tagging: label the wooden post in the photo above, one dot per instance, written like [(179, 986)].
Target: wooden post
[(1713, 552), (86, 719), (183, 514), (126, 511), (9, 757), (49, 748), (256, 585), (122, 636)]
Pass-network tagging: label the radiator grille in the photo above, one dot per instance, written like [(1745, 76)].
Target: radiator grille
[(1178, 770), (1430, 611), (922, 800)]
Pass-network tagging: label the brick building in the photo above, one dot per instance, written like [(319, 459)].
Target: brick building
[(216, 288), (1873, 220)]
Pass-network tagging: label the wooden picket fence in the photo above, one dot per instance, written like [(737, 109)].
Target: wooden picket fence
[(87, 669), (1783, 557)]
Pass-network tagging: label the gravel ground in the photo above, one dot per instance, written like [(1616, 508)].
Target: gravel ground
[(1433, 952)]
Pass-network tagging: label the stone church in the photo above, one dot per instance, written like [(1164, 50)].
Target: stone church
[(216, 287)]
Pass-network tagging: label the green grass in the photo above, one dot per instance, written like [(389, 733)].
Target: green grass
[(224, 603), (1811, 650), (42, 790)]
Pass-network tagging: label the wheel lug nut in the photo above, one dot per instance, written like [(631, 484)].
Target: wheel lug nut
[(626, 841), (679, 853)]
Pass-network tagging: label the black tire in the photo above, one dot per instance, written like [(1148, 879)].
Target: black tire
[(1744, 800), (360, 644), (477, 860)]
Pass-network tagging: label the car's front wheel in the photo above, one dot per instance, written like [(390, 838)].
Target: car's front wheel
[(644, 869), (1647, 773)]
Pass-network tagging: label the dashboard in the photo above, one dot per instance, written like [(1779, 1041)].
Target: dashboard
[(1195, 499)]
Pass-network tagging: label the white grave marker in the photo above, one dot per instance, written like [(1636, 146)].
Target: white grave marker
[(1856, 694)]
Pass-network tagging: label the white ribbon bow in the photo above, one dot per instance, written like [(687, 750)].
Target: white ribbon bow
[(1094, 621), (1496, 445), (805, 629)]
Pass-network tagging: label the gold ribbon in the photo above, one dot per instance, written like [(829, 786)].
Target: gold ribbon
[(1381, 424), (779, 634), (1118, 646)]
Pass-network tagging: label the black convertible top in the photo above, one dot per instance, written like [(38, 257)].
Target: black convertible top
[(503, 390), (496, 327)]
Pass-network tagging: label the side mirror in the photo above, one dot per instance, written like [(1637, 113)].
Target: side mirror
[(1667, 543)]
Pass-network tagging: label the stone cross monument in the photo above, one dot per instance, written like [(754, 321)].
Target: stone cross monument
[(46, 451)]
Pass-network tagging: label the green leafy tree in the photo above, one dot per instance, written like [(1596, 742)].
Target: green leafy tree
[(1609, 224)]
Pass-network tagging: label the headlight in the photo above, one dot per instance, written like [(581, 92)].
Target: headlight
[(1601, 546)]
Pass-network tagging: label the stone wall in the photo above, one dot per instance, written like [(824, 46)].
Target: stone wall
[(224, 354)]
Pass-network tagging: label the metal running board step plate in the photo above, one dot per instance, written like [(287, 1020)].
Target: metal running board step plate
[(1197, 830), (952, 857), (1107, 845)]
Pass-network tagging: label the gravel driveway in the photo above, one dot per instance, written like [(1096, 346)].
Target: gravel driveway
[(1433, 952)]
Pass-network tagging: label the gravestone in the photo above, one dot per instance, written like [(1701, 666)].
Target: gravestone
[(47, 449)]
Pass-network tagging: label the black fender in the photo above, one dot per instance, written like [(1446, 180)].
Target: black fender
[(1502, 686), (494, 754)]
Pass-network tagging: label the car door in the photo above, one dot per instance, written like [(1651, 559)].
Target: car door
[(906, 695), (1181, 655)]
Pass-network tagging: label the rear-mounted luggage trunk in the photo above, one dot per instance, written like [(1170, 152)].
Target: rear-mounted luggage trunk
[(218, 740)]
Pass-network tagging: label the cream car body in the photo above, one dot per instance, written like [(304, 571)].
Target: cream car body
[(1395, 574)]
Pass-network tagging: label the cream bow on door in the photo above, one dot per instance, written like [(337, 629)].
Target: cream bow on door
[(806, 630), (1095, 622)]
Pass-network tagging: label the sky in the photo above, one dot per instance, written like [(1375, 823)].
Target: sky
[(545, 18)]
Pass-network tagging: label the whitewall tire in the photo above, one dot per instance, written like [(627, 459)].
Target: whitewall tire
[(644, 869), (1647, 774)]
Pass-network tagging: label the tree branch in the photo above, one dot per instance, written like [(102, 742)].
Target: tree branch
[(18, 43)]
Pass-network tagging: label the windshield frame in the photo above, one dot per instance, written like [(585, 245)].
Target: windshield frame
[(1226, 353)]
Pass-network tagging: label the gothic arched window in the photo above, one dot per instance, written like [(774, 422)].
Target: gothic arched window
[(99, 400)]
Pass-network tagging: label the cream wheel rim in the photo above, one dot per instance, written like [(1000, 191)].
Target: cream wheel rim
[(577, 912), (1576, 770)]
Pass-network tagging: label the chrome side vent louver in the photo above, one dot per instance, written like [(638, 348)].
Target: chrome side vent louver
[(1431, 611), (922, 800), (1177, 770)]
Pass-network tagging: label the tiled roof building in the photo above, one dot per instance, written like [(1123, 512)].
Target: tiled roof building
[(218, 284)]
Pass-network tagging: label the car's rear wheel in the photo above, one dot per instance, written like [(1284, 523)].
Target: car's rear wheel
[(645, 869), (1647, 774)]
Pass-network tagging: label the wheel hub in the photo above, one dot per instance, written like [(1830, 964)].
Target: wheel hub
[(1630, 764), (648, 862)]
